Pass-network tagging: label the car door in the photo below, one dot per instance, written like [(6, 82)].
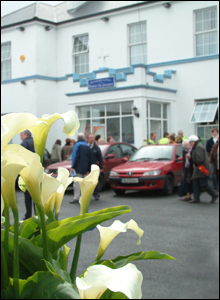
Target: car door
[(110, 163), (178, 164)]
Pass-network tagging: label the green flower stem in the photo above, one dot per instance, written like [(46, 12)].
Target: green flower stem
[(44, 234), (7, 224), (4, 270), (56, 216), (75, 259), (16, 254)]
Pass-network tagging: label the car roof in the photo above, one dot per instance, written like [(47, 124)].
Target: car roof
[(113, 143)]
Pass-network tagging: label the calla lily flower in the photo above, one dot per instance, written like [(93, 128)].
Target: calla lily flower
[(41, 131), (99, 278), (32, 175), (87, 186), (65, 181), (14, 123), (49, 186), (11, 166), (107, 234)]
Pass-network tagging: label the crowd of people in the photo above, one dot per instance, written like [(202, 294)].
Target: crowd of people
[(199, 163)]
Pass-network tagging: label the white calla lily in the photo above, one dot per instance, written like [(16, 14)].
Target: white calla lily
[(107, 234), (14, 123), (11, 165), (87, 186), (32, 175), (98, 278), (65, 181), (41, 131), (49, 186)]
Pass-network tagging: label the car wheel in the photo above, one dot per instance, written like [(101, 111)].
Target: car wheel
[(101, 183), (119, 192), (169, 185)]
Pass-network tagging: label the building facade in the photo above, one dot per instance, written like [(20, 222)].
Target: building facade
[(127, 68)]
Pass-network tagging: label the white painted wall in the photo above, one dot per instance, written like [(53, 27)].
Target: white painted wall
[(170, 37)]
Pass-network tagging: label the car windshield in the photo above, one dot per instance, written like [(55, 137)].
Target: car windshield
[(102, 148), (153, 153)]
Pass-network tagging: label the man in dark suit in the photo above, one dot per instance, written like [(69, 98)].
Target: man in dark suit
[(96, 159), (28, 143), (81, 163), (210, 143)]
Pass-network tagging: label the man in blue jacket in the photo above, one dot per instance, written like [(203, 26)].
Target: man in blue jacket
[(81, 163)]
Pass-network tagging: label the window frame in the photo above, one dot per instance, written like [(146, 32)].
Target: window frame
[(5, 60), (206, 31), (203, 101), (75, 54), (136, 44)]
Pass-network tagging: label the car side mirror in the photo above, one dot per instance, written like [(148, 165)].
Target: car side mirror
[(124, 159), (109, 156), (179, 159)]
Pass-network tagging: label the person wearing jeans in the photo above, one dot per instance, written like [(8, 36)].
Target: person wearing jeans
[(201, 170)]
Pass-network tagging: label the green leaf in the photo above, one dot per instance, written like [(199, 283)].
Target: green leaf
[(9, 293), (28, 227), (108, 294), (62, 257), (47, 285), (54, 267), (121, 261), (50, 218), (61, 232)]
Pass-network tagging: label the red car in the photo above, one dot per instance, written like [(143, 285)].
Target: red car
[(151, 167), (113, 154)]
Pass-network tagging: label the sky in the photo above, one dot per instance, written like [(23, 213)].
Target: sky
[(10, 6)]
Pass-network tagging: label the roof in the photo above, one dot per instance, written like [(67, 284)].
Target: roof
[(59, 13)]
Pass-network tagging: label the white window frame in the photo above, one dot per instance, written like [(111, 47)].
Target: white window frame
[(204, 32), (136, 44), (162, 119), (74, 54), (203, 101), (5, 60)]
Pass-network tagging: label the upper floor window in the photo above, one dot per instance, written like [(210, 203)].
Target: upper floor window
[(6, 61), (206, 32), (81, 54), (138, 43)]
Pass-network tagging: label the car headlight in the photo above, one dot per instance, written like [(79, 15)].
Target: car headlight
[(152, 173), (113, 174)]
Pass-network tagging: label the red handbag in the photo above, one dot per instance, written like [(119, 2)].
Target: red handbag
[(203, 170)]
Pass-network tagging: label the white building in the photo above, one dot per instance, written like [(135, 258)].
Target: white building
[(104, 58)]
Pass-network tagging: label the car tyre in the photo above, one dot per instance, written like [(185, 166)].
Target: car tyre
[(169, 185), (119, 192)]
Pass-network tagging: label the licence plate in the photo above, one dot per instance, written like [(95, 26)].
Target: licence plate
[(129, 180)]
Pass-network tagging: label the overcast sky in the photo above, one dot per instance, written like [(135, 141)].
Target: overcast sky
[(9, 6)]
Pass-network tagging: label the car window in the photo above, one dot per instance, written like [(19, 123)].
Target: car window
[(127, 150), (179, 151), (115, 150)]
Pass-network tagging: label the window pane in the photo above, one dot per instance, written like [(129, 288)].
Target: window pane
[(85, 127), (165, 126), (204, 112), (155, 110), (128, 130), (84, 112), (98, 127), (155, 126), (127, 150), (113, 128), (112, 109), (138, 54), (80, 43), (165, 111), (126, 108), (98, 111)]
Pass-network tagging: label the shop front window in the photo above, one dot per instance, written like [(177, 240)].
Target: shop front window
[(114, 120)]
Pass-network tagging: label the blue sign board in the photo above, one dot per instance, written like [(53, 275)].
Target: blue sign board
[(101, 83)]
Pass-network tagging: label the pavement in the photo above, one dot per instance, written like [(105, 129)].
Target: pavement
[(189, 232)]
